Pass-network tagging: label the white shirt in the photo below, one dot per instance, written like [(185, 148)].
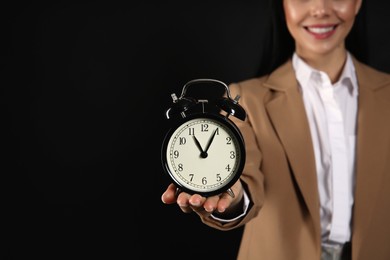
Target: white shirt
[(331, 110)]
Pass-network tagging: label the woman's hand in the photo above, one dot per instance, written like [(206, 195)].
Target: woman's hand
[(203, 206)]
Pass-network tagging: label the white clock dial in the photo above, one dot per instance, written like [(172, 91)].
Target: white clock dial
[(203, 155)]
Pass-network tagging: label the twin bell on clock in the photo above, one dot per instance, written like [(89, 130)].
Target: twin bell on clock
[(204, 151)]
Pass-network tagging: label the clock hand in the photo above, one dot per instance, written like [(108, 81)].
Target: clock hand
[(199, 147), (209, 143)]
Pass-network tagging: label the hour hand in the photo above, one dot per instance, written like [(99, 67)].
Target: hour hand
[(202, 153)]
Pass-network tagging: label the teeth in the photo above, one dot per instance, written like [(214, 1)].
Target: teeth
[(320, 30)]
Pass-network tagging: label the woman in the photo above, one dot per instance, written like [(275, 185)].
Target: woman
[(316, 184)]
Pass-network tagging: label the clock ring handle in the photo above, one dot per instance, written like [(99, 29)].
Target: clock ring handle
[(205, 80), (229, 105)]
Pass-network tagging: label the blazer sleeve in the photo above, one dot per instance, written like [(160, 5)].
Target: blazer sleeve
[(252, 178)]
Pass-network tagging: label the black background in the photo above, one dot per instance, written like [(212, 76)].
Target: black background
[(85, 86)]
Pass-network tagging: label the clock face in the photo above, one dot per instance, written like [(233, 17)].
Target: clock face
[(204, 155)]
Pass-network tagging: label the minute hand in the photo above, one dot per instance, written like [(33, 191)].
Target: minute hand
[(210, 141)]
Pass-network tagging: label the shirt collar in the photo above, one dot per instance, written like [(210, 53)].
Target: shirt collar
[(305, 73)]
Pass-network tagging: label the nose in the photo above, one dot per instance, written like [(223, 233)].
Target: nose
[(320, 8)]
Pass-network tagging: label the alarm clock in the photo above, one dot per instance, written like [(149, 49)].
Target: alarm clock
[(203, 152)]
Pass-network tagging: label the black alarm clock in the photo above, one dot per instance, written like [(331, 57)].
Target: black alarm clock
[(204, 151)]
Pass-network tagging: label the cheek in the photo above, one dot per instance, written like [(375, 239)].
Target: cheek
[(292, 21), (293, 15), (346, 11)]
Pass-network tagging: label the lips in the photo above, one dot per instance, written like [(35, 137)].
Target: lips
[(321, 32)]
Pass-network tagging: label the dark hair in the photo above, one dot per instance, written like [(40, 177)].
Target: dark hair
[(356, 41), (279, 45)]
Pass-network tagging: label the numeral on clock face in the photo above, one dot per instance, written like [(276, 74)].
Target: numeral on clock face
[(202, 154)]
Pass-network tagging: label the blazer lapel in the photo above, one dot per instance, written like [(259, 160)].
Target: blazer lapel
[(371, 150), (288, 115)]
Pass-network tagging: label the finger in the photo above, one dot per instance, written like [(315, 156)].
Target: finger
[(183, 202), (224, 202), (211, 203), (196, 203), (169, 197)]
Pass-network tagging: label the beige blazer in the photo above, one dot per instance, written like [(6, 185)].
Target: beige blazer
[(283, 222)]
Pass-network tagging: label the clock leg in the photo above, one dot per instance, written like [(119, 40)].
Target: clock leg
[(177, 192), (230, 192)]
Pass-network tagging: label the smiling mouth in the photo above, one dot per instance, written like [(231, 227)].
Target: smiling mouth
[(320, 30)]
